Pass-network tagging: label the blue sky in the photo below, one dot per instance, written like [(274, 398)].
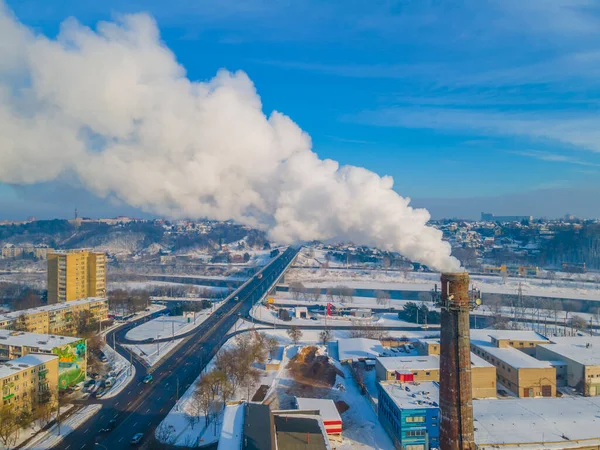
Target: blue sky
[(477, 99)]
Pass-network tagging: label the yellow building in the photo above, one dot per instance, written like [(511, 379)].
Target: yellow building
[(76, 274), (28, 380), (61, 318), (427, 368), (523, 340), (517, 371), (71, 352)]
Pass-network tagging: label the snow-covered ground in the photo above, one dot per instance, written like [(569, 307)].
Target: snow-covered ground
[(264, 313), (366, 431), (153, 353), (50, 438), (169, 326), (424, 282), (125, 372)]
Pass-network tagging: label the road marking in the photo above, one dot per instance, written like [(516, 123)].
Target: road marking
[(148, 410), (159, 398), (129, 393), (161, 410), (128, 403), (120, 439), (67, 447), (83, 446), (86, 431), (117, 404), (135, 424)]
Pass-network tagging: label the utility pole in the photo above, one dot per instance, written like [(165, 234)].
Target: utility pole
[(58, 410), (130, 362)]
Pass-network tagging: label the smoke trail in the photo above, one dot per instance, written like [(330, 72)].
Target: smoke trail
[(115, 109)]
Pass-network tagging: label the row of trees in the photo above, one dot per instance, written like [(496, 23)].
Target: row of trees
[(340, 293), (233, 371), (36, 415), (128, 302), (412, 312)]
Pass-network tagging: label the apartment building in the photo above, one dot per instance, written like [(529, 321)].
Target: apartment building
[(76, 274), (60, 318), (71, 352), (28, 380)]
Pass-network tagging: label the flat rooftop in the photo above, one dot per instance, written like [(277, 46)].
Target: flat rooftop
[(508, 335), (53, 307), (535, 421), (298, 432), (511, 356), (23, 363), (431, 362), (413, 395), (41, 341), (326, 407), (584, 350), (360, 348)]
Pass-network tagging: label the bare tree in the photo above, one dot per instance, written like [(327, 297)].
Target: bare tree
[(9, 426), (314, 293), (329, 293), (383, 298), (297, 289), (202, 397), (578, 323), (294, 334), (250, 382), (325, 336)]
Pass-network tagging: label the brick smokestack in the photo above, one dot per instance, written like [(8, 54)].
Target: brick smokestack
[(456, 408)]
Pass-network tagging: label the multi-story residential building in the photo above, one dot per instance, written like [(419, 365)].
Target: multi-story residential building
[(61, 318), (71, 352), (28, 380), (76, 274), (410, 414)]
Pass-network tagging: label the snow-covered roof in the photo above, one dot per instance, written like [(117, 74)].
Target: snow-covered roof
[(326, 407), (359, 348), (413, 395), (430, 341), (584, 350), (431, 362), (53, 307), (34, 340), (9, 368), (511, 356), (520, 421), (516, 335), (232, 431)]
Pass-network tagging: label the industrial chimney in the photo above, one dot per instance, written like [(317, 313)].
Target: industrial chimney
[(456, 425)]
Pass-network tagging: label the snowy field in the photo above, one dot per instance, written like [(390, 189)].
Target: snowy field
[(425, 282), (169, 326), (153, 353), (263, 313)]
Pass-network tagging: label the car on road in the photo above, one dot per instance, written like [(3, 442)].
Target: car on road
[(236, 298), (313, 318), (137, 438), (112, 424), (147, 379), (259, 276)]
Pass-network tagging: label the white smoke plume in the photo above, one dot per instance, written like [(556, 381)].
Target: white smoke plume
[(113, 108)]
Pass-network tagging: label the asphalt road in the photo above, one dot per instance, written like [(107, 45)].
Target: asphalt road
[(140, 407)]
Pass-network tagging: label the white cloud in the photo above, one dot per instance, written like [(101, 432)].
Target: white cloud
[(114, 108)]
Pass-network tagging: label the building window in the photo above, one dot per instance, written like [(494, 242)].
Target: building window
[(415, 419)]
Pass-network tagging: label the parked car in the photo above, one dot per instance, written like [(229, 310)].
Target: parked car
[(147, 379), (137, 438)]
